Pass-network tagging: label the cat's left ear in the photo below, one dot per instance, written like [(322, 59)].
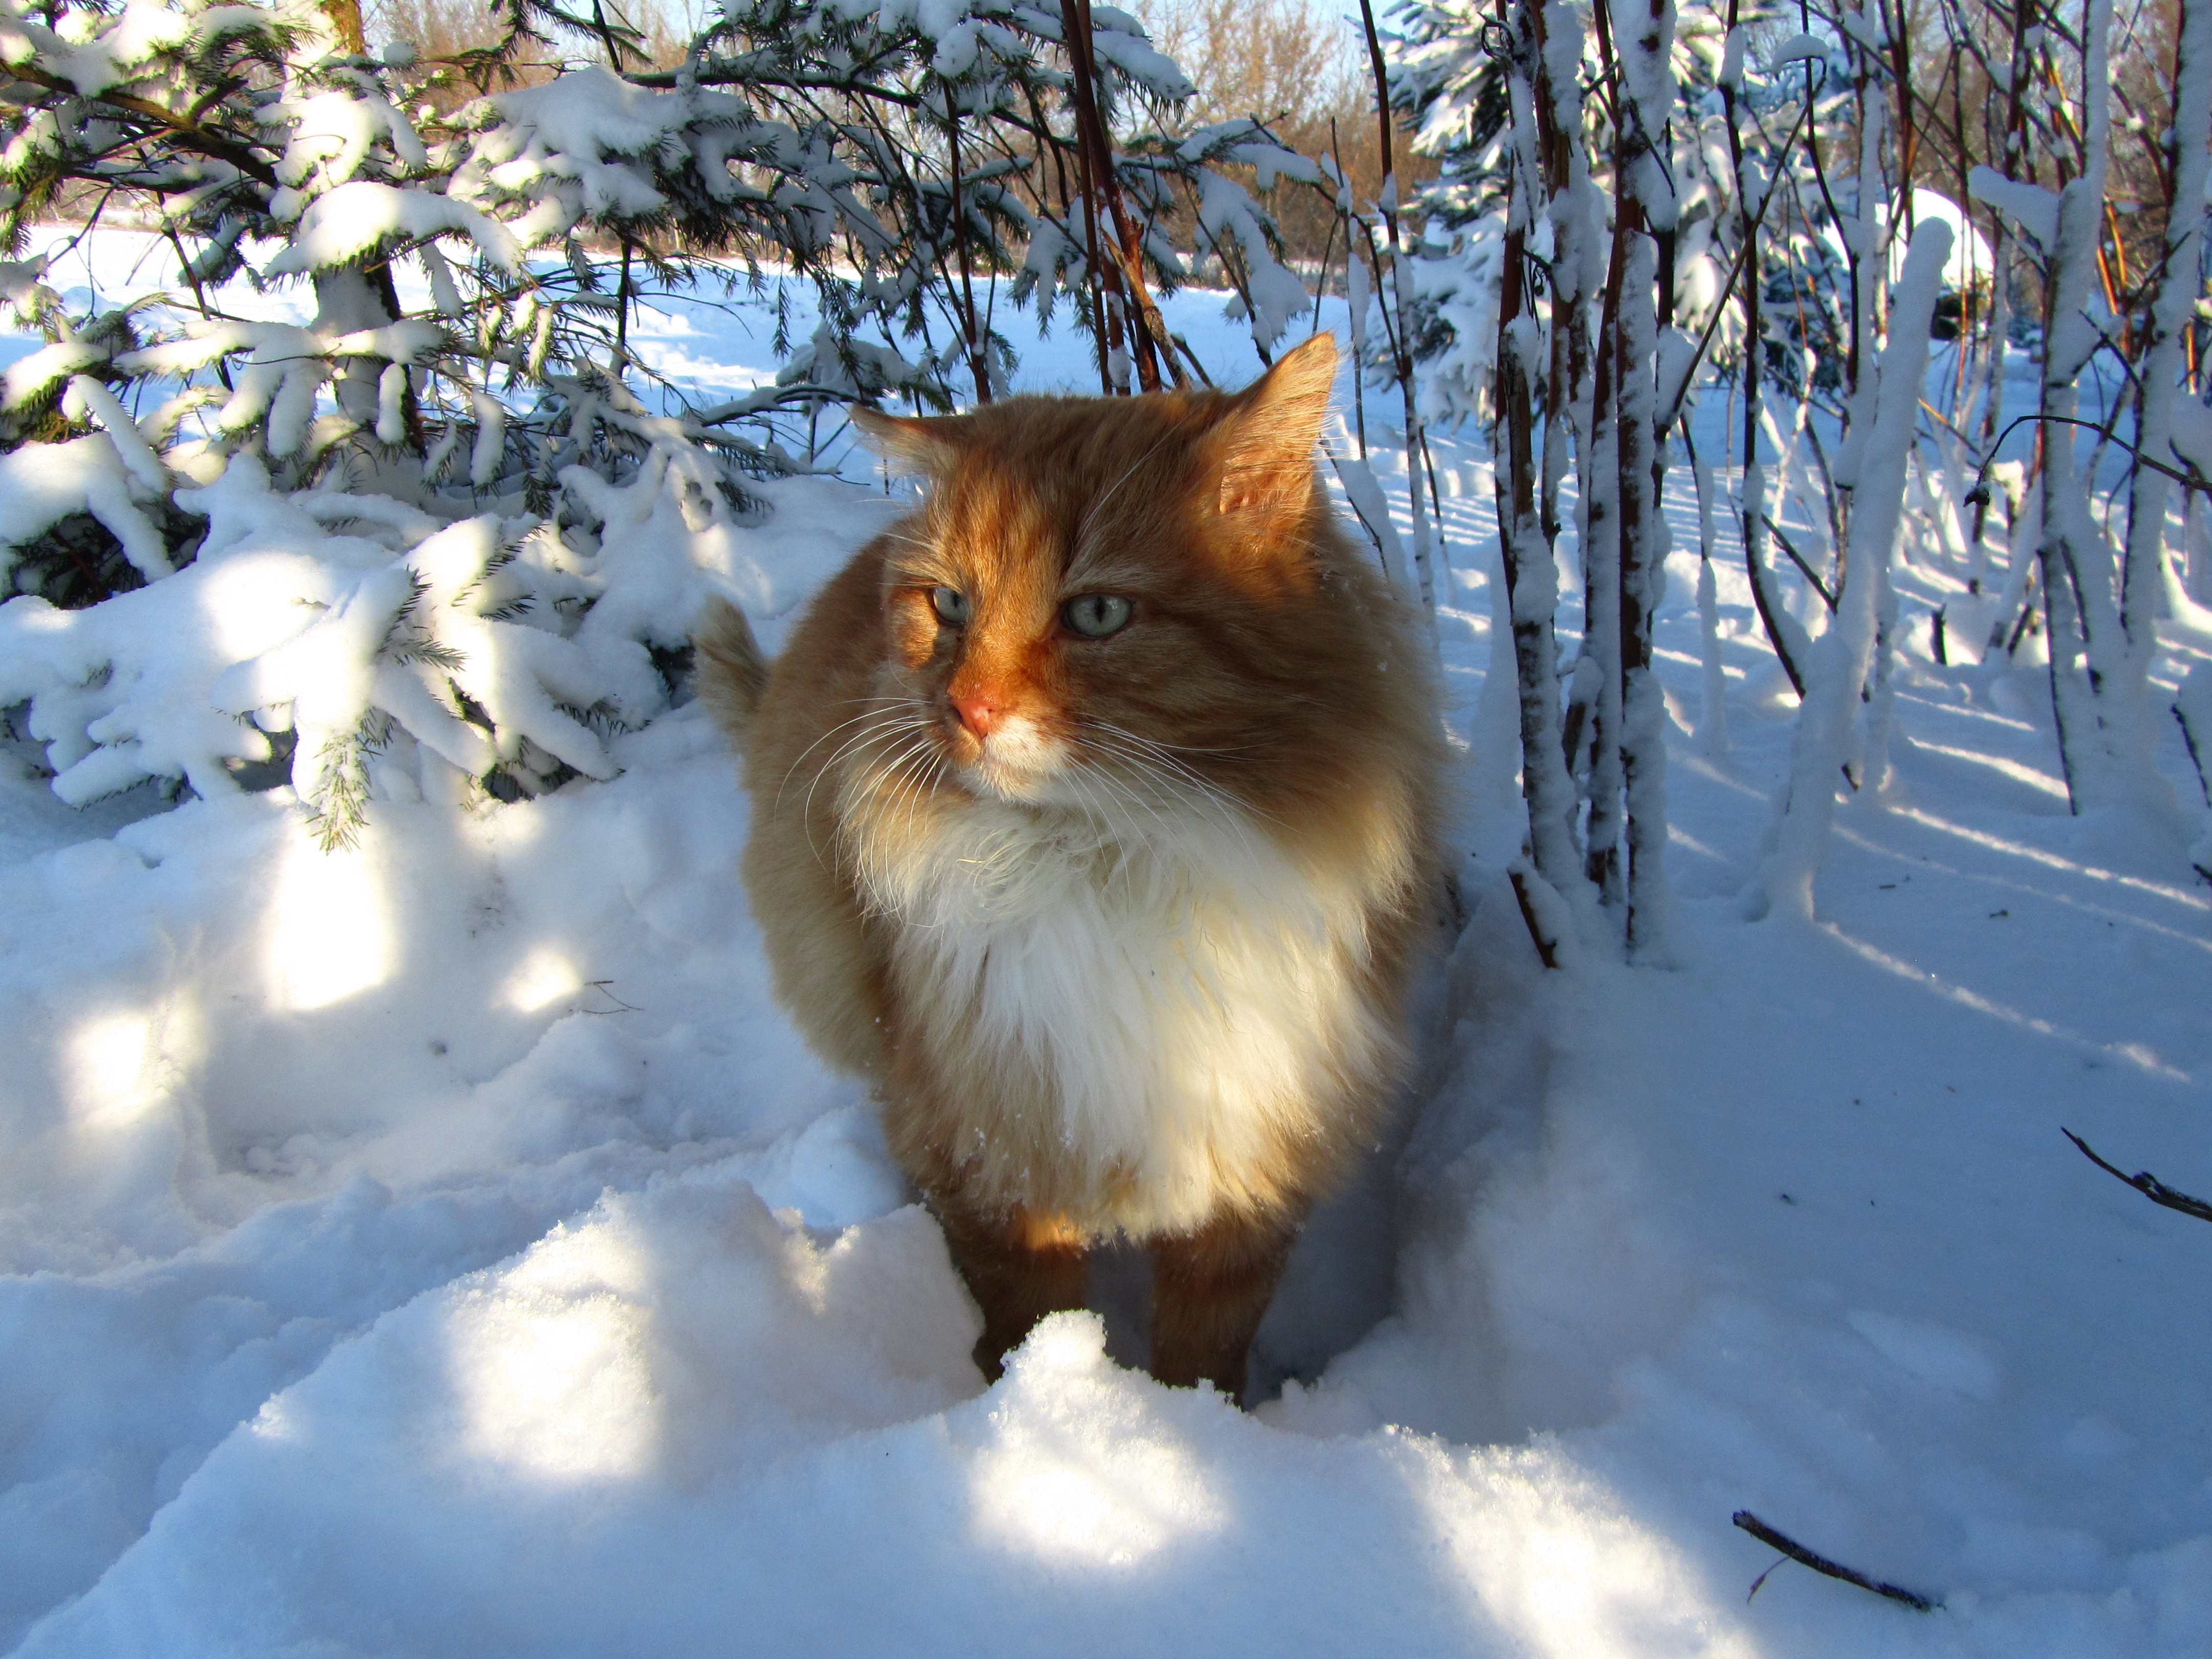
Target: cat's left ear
[(911, 443), (1265, 442)]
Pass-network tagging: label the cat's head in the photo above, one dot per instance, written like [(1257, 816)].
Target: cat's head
[(1144, 595)]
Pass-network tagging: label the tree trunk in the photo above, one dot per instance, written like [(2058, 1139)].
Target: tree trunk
[(2162, 366), (345, 19), (1525, 538), (2075, 559), (1646, 224)]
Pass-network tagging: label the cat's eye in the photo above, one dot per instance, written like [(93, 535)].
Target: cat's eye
[(1094, 616), (951, 605)]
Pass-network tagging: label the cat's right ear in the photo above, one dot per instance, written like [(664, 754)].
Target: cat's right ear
[(912, 444), (1265, 443)]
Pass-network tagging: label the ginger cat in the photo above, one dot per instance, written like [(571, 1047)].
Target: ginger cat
[(1094, 825)]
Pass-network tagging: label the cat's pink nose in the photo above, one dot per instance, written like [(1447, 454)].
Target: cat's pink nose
[(979, 711)]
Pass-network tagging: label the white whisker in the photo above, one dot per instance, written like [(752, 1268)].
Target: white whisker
[(870, 715), (883, 728)]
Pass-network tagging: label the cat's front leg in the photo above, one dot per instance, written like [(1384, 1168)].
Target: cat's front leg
[(1019, 1267), (1210, 1291)]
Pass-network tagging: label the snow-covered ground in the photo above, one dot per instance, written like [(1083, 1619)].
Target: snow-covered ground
[(447, 1247)]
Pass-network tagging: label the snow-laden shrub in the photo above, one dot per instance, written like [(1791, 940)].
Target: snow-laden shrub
[(394, 650)]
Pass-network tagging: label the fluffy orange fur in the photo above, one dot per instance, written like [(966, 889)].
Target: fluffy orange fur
[(1094, 825)]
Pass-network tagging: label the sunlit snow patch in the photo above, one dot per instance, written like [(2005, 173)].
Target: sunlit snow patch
[(552, 1366), (1551, 1555), (545, 977), (330, 937), (109, 1061), (1079, 1475), (681, 1332)]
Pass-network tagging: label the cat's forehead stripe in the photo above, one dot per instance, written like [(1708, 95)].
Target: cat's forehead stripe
[(1021, 503)]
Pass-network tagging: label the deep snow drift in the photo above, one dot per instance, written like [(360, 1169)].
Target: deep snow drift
[(447, 1247)]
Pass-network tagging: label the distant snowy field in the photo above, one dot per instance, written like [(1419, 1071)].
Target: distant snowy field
[(448, 1246)]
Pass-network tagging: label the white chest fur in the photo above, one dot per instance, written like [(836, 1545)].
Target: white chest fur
[(1183, 1006)]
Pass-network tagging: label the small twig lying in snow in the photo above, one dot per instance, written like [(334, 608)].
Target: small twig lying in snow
[(1797, 1551), (2146, 1183), (602, 986)]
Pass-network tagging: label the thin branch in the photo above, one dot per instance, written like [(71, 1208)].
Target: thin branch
[(2146, 1183), (1820, 1564), (1798, 559), (2187, 481), (1682, 388)]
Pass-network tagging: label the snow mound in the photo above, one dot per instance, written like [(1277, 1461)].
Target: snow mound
[(682, 1414)]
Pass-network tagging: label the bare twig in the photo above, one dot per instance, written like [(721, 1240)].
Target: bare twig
[(1400, 337), (1798, 559), (978, 363), (2146, 1183), (1682, 384), (603, 987), (1820, 1564), (2187, 480)]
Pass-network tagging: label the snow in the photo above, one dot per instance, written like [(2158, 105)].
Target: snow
[(29, 376), (1800, 47), (361, 216), (41, 484), (2034, 208), (445, 1245), (1225, 209), (137, 33), (1969, 262)]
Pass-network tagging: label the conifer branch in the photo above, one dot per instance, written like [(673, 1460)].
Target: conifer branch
[(181, 128)]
